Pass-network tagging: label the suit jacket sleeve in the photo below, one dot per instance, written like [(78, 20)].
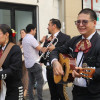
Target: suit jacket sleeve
[(62, 49)]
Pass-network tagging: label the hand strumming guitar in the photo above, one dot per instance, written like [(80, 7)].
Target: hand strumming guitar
[(57, 68)]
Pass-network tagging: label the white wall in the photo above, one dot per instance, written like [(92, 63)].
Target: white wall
[(47, 9)]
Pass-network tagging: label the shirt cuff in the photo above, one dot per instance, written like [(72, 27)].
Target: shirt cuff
[(53, 60)]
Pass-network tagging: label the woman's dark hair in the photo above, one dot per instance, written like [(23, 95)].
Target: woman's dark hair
[(23, 30), (57, 22), (5, 28), (91, 12), (29, 27)]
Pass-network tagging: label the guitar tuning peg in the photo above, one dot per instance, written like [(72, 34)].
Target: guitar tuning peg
[(94, 67), (80, 73)]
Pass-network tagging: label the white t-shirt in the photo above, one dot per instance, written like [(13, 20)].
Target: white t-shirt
[(31, 55)]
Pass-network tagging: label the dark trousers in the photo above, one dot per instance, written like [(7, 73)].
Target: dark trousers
[(56, 90), (15, 93), (82, 93)]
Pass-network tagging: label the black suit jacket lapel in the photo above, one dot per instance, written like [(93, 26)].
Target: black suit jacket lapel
[(59, 38), (93, 42)]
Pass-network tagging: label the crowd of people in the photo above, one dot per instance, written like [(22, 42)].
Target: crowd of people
[(21, 63)]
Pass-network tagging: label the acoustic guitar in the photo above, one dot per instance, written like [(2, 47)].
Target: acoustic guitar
[(68, 64)]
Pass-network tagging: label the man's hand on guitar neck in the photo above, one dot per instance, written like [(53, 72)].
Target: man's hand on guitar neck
[(75, 72), (57, 68), (86, 72)]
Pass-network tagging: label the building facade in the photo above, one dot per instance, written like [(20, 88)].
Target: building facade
[(18, 14), (72, 8)]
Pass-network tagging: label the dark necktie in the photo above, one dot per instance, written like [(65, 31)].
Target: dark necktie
[(83, 45)]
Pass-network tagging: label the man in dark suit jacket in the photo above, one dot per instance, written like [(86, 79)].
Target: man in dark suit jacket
[(56, 90), (87, 54)]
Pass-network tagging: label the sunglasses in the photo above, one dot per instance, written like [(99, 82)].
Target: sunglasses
[(84, 22)]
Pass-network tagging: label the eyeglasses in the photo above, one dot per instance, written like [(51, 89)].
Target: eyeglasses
[(84, 22)]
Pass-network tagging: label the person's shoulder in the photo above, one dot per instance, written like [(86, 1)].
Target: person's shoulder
[(15, 48), (19, 43), (76, 37), (63, 34), (28, 38)]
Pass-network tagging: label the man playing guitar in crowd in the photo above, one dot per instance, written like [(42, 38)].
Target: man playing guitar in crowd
[(86, 49)]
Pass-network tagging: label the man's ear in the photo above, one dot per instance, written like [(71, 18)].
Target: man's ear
[(7, 34), (95, 22), (54, 26), (31, 30)]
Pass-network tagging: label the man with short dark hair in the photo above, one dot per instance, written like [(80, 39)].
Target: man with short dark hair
[(31, 49), (86, 49), (58, 38)]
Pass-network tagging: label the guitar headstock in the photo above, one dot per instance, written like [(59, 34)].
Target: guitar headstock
[(87, 72)]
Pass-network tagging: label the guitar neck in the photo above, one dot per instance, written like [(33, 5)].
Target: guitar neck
[(86, 72)]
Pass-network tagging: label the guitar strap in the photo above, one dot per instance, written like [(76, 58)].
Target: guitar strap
[(3, 57), (81, 59)]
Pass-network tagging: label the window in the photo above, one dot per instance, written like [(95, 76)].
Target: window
[(22, 19), (17, 16), (5, 17)]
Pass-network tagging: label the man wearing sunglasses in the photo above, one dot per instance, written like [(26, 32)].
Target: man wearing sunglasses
[(86, 49)]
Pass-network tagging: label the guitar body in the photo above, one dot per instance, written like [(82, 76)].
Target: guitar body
[(68, 64)]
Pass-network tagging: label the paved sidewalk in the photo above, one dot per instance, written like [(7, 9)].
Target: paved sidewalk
[(46, 93)]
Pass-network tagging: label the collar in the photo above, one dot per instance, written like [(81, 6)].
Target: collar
[(55, 35), (29, 34), (89, 38), (3, 48)]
